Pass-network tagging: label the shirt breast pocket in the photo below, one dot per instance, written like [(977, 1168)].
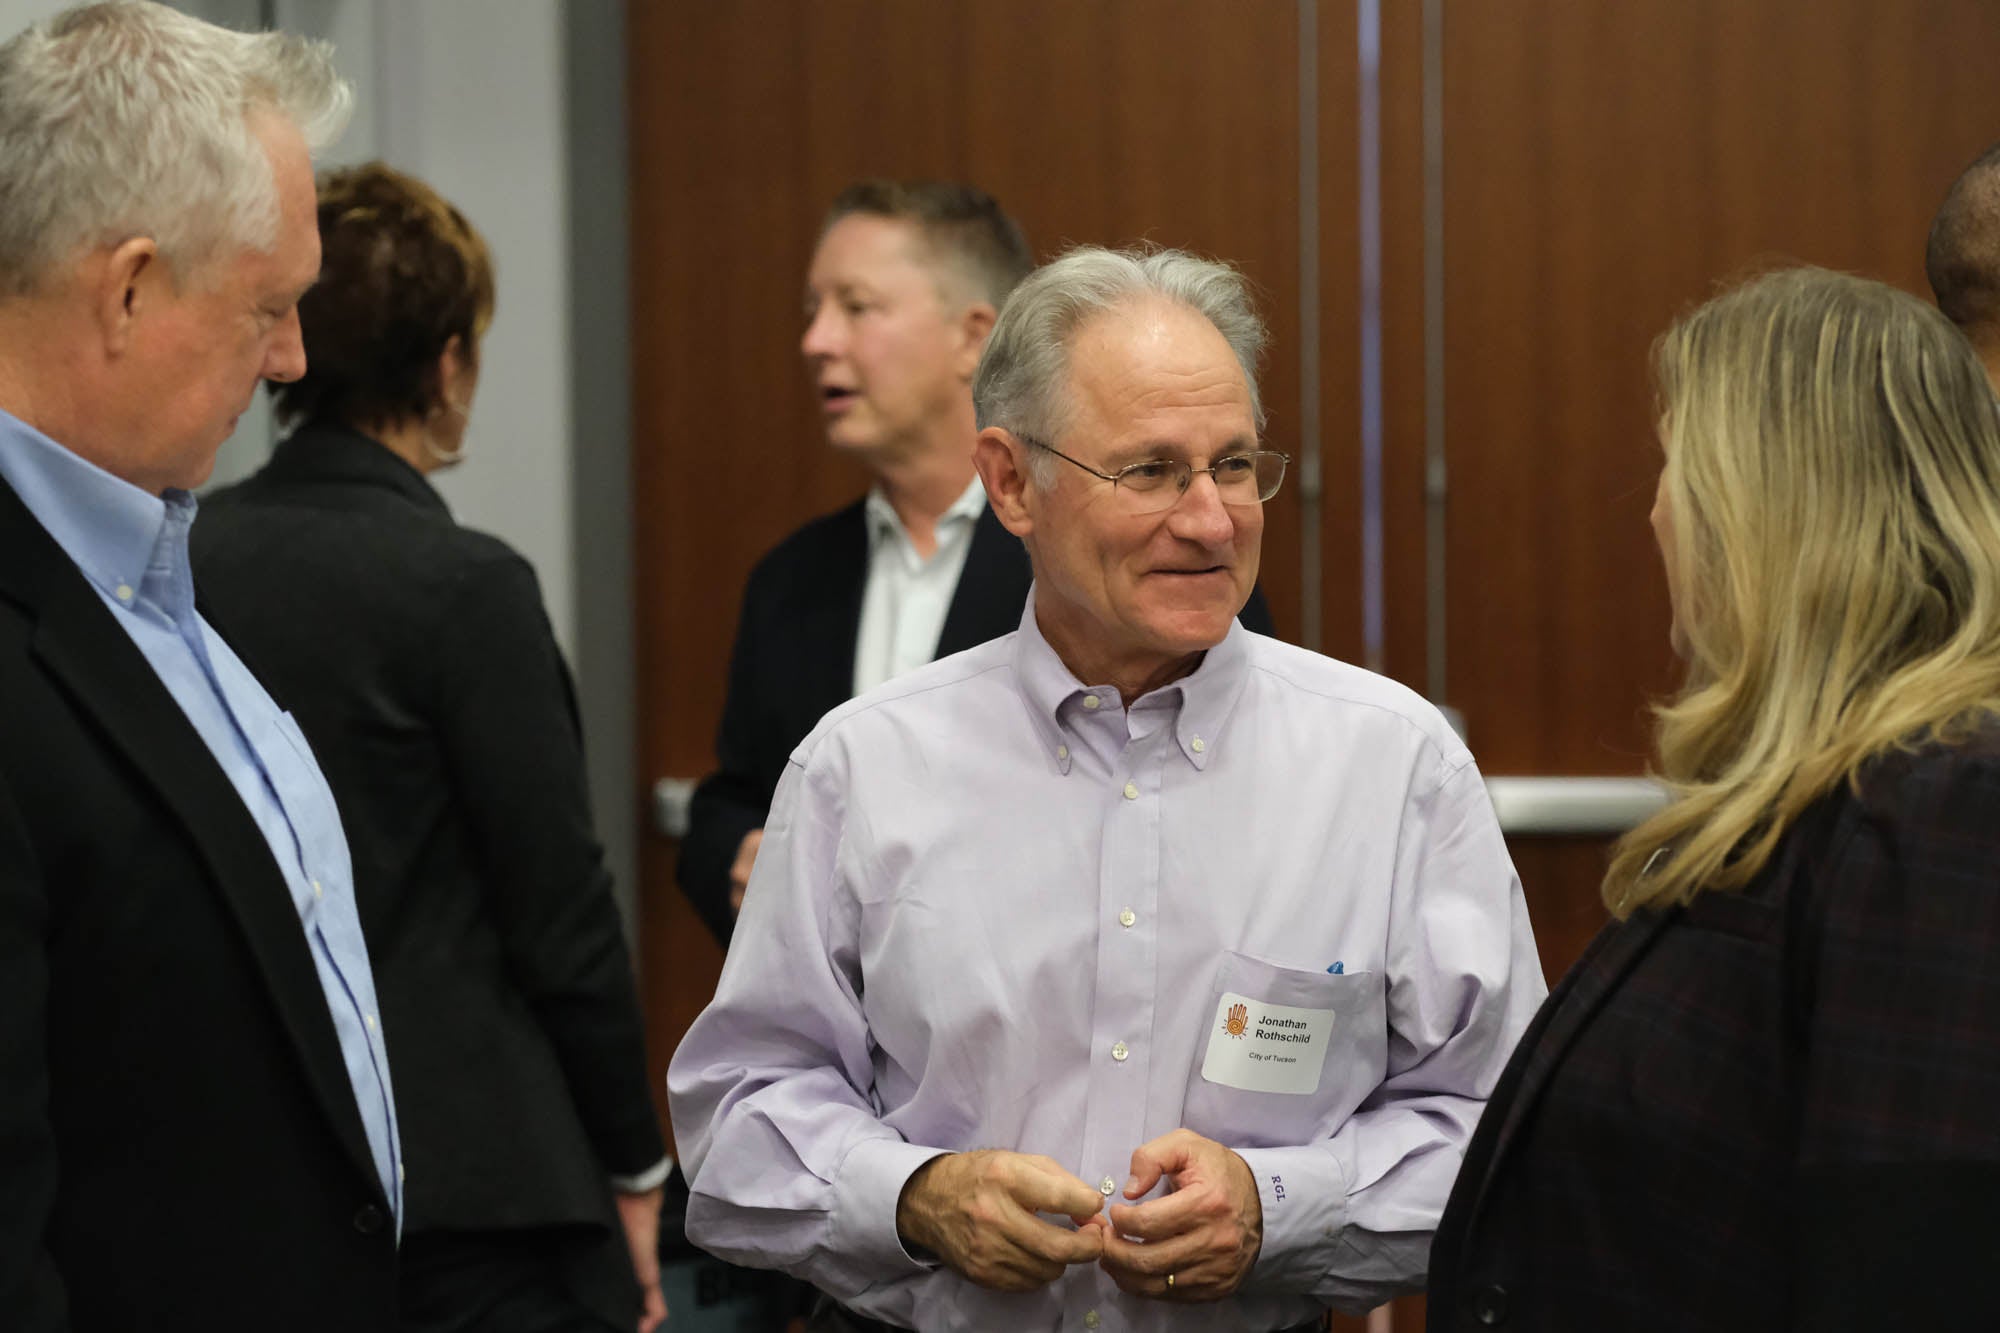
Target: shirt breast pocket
[(1288, 1055)]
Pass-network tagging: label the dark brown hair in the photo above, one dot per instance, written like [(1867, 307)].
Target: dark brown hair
[(401, 273), (963, 225), (1962, 257)]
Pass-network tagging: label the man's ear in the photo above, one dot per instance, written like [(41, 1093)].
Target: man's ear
[(125, 284), (1003, 470), (975, 323)]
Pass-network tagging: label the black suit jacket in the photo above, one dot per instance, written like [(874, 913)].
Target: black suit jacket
[(418, 661), (1773, 1110), (794, 662), (179, 1143)]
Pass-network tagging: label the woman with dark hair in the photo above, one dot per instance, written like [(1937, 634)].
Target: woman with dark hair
[(420, 665), (1768, 1095)]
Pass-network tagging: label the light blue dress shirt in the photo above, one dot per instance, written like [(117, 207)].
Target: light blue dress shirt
[(132, 547)]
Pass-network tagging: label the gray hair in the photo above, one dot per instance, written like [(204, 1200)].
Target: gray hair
[(131, 119), (1021, 382)]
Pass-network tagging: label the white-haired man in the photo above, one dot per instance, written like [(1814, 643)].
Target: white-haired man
[(196, 1124), (1132, 971)]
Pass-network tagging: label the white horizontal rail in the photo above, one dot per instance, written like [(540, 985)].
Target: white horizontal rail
[(1574, 806)]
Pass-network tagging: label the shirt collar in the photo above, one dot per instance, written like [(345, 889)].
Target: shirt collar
[(1203, 699), (108, 526), (884, 523)]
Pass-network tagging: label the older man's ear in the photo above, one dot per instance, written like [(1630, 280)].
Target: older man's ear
[(1002, 461)]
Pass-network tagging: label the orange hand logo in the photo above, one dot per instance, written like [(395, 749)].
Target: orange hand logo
[(1238, 1021)]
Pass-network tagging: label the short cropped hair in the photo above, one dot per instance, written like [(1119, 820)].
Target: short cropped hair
[(131, 119), (1962, 257), (964, 226), (401, 274), (1021, 384)]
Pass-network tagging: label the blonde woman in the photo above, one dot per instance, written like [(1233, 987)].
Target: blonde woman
[(1768, 1096)]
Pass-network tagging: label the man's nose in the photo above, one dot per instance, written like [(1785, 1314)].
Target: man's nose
[(822, 336), (286, 360), (1200, 515)]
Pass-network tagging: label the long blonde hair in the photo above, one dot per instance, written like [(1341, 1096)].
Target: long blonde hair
[(1833, 473)]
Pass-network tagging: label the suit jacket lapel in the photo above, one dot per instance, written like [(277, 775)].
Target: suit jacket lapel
[(830, 618), (991, 590), (85, 651)]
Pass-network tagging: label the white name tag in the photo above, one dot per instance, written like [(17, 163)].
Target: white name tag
[(1263, 1047)]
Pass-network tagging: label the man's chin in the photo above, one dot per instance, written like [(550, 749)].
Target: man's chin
[(1194, 629)]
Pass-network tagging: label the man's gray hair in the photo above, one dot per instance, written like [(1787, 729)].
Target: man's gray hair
[(1021, 382), (130, 119)]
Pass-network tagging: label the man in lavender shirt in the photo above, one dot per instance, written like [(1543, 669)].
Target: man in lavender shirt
[(1131, 971)]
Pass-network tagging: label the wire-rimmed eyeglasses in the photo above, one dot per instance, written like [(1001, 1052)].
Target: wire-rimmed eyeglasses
[(1154, 484)]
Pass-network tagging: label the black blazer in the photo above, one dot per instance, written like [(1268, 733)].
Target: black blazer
[(1773, 1110), (179, 1143), (418, 661), (794, 662)]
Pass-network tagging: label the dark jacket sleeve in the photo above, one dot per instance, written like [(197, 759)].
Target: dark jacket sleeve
[(1256, 613), (1899, 1148), (509, 728), (734, 799), (30, 1291)]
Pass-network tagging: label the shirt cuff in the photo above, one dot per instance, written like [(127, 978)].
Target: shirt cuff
[(652, 1178), (1304, 1194), (866, 1189)]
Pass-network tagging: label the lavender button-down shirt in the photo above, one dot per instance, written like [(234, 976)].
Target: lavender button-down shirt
[(994, 907)]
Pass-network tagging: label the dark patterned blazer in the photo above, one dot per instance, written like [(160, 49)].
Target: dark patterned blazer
[(1774, 1109), (794, 662)]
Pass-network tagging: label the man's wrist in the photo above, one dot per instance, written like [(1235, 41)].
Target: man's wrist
[(911, 1215)]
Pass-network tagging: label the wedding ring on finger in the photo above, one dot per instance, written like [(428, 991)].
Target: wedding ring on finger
[(1170, 1282)]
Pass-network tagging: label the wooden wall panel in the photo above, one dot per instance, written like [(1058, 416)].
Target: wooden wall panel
[(1605, 167)]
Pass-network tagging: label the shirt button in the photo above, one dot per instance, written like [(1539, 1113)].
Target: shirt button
[(400, 1177), (318, 892), (1196, 745), (1119, 1051), (369, 1019), (1131, 791), (1106, 1186), (1090, 1319), (124, 592), (1127, 917), (1062, 752), (1091, 701)]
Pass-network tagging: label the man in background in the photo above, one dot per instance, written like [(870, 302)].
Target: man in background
[(197, 1129), (1962, 258), (904, 286)]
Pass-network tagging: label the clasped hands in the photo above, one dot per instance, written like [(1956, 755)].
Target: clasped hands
[(976, 1211)]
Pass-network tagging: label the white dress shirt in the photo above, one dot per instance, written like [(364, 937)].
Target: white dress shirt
[(995, 908), (906, 598)]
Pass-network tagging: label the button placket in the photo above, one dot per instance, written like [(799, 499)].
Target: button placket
[(1126, 961)]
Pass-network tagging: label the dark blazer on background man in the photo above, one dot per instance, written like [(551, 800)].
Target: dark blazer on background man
[(179, 1143), (417, 658), (794, 662), (1772, 1110)]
